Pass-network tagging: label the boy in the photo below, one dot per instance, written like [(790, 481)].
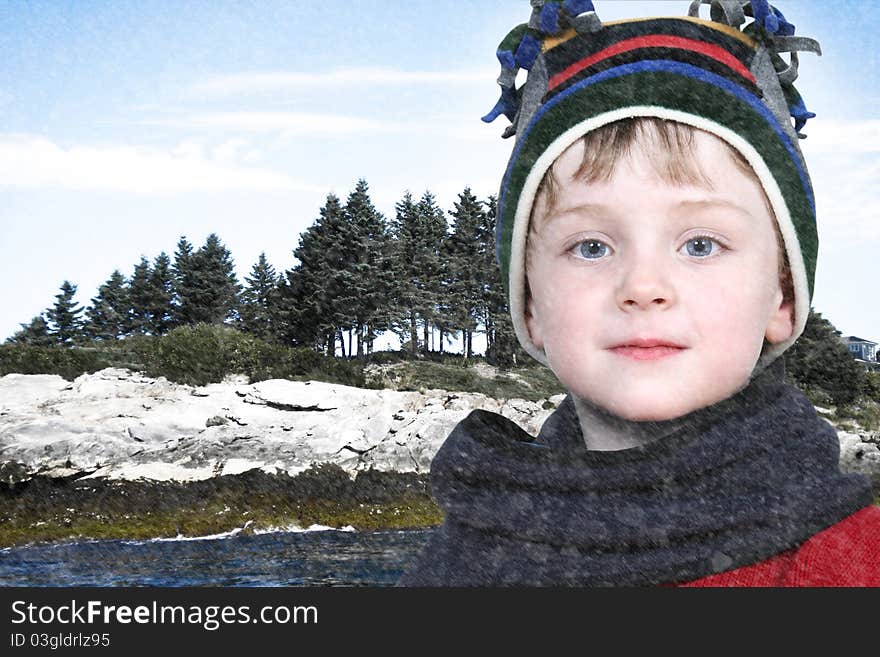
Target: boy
[(657, 237)]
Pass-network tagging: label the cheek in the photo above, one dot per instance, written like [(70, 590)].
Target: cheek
[(570, 313), (731, 312)]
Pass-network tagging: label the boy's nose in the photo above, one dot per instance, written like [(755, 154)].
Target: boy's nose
[(645, 285)]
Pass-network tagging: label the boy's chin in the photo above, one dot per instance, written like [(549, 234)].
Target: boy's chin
[(653, 409), (655, 415)]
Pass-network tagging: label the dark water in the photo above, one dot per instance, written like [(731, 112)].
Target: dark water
[(320, 558)]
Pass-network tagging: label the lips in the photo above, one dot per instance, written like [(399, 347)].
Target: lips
[(647, 348), (647, 343)]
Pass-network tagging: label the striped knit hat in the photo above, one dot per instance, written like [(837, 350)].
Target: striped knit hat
[(709, 74)]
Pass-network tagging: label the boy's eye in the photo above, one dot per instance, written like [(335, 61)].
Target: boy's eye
[(592, 249), (700, 246)]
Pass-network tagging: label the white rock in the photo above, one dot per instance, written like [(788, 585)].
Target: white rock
[(122, 425), (856, 455)]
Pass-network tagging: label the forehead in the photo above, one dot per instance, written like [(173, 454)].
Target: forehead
[(689, 155), (704, 171)]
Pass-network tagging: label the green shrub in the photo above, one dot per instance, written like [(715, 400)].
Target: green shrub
[(268, 361), (817, 396), (194, 355), (865, 415), (872, 386), (818, 360), (264, 360), (389, 357), (123, 353), (68, 362), (204, 353)]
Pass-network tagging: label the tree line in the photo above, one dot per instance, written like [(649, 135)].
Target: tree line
[(358, 276)]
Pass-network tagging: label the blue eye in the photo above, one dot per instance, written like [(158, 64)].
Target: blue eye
[(701, 246), (592, 249)]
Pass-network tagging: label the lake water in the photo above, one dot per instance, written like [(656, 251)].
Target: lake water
[(304, 558)]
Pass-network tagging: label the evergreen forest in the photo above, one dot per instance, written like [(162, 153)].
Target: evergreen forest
[(426, 277)]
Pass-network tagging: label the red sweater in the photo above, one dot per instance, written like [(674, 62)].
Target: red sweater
[(845, 554)]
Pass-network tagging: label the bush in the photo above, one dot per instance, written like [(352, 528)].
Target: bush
[(872, 386), (819, 361), (195, 355), (125, 353), (388, 357), (341, 371), (264, 360), (865, 416), (68, 362), (817, 396), (204, 353)]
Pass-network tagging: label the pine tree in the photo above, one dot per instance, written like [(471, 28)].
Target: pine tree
[(184, 285), (331, 263), (206, 285), (346, 285), (434, 268), (408, 251), (160, 303), (108, 316), (306, 312), (64, 317), (36, 332), (369, 278), (466, 277), (502, 347), (259, 299), (140, 298), (298, 322), (221, 288)]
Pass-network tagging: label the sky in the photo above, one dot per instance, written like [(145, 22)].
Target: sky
[(125, 125)]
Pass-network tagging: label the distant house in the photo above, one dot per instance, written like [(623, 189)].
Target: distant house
[(864, 351)]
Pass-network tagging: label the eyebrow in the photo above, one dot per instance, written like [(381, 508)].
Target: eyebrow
[(715, 203), (598, 210)]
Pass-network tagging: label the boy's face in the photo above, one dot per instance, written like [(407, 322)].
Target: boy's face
[(621, 259)]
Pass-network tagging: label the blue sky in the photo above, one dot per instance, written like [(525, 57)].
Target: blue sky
[(124, 125)]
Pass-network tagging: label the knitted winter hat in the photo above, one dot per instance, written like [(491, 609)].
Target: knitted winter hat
[(709, 74)]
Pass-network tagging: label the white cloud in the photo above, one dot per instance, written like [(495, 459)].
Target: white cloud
[(32, 161), (287, 123), (229, 150), (261, 82), (841, 136), (843, 157), (296, 124), (847, 199)]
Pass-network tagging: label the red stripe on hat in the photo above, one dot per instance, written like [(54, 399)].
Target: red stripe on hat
[(654, 41)]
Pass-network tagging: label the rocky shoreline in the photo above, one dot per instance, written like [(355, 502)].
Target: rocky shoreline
[(52, 509), (115, 454)]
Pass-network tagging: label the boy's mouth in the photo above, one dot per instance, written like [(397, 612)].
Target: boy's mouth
[(647, 348)]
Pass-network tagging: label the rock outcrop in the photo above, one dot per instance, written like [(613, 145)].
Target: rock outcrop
[(118, 424), (861, 453)]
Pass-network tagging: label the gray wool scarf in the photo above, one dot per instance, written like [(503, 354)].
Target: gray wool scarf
[(731, 485)]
